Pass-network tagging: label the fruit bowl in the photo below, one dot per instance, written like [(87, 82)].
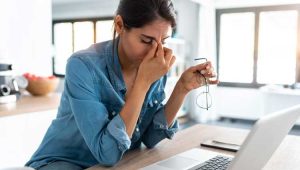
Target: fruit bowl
[(40, 86)]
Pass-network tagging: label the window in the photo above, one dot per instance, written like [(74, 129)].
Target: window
[(237, 45), (70, 36), (258, 46), (83, 35), (103, 30), (281, 27)]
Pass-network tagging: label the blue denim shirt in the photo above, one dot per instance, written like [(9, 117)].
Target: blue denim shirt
[(88, 129)]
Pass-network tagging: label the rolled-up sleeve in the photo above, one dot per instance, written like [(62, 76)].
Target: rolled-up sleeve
[(158, 129), (118, 130), (106, 139)]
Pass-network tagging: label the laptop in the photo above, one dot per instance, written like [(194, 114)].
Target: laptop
[(258, 147)]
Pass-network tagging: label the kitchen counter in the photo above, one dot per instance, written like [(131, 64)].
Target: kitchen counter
[(29, 104)]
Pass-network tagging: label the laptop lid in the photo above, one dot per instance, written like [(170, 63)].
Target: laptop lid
[(264, 138)]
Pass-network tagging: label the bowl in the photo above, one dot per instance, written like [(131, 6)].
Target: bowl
[(41, 86)]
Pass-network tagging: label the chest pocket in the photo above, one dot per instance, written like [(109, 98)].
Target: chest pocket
[(149, 108), (156, 99)]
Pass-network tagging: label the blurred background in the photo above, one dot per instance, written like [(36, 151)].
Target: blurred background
[(254, 46)]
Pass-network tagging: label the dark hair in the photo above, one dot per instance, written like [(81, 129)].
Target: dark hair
[(138, 13)]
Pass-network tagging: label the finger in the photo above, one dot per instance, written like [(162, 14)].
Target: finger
[(152, 51), (213, 74), (173, 59), (213, 81), (208, 69), (208, 65), (201, 66), (208, 73), (160, 51), (168, 55)]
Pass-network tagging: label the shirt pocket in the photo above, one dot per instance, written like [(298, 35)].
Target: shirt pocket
[(151, 107), (156, 99), (147, 113)]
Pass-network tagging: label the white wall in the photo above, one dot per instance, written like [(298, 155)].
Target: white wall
[(25, 33), (238, 102), (84, 9), (188, 26)]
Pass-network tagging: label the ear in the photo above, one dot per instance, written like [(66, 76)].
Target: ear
[(119, 25)]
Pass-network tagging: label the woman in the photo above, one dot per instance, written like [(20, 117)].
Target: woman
[(113, 92)]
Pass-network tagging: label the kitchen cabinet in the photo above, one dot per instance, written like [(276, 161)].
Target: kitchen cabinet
[(22, 127)]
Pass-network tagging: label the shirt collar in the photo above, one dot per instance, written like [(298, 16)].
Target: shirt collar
[(114, 67)]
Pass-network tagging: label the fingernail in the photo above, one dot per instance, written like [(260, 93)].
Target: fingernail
[(203, 71)]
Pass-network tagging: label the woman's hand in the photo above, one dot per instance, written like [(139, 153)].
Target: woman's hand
[(193, 78), (156, 63)]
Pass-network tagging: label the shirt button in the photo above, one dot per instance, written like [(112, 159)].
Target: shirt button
[(113, 113), (155, 101), (137, 129)]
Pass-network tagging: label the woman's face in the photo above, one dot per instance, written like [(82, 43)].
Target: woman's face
[(136, 42)]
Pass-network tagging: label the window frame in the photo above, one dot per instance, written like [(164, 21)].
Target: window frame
[(256, 11), (72, 21)]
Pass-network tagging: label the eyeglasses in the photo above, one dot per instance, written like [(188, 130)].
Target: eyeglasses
[(203, 99)]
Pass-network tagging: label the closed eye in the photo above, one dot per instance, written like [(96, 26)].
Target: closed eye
[(150, 42), (147, 41)]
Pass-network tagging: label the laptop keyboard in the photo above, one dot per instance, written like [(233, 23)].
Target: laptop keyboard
[(216, 163)]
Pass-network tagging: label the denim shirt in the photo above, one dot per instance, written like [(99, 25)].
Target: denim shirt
[(88, 129)]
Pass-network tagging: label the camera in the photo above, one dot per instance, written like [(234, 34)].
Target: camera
[(9, 90)]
